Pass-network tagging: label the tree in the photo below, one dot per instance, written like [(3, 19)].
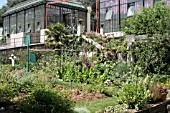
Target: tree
[(152, 56), (152, 20)]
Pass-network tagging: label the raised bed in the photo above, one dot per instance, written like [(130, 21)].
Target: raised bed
[(155, 108)]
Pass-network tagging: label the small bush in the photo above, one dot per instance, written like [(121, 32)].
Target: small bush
[(120, 108), (134, 94), (8, 88), (153, 56), (45, 101)]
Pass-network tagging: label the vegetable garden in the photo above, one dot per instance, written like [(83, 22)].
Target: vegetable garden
[(65, 81)]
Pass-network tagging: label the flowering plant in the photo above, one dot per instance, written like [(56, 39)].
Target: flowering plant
[(163, 90)]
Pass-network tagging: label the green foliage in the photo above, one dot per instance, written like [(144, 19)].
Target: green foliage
[(45, 101), (8, 88), (71, 68), (3, 40), (134, 94), (57, 35), (5, 69), (152, 20), (108, 91), (118, 72), (11, 87), (153, 55), (120, 108), (4, 60)]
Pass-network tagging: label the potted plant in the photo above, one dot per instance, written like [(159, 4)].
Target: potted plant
[(163, 92)]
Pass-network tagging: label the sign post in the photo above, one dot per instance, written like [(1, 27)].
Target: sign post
[(27, 52)]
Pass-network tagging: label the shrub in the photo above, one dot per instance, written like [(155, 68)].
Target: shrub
[(120, 108), (152, 20), (153, 56), (8, 89), (134, 94), (45, 101)]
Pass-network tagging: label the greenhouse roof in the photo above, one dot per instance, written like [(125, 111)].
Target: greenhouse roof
[(31, 3)]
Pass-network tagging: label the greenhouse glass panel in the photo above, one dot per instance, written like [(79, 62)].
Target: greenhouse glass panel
[(127, 8), (138, 6), (29, 24), (6, 25), (13, 24), (102, 5), (123, 9), (148, 3), (39, 17), (116, 9), (109, 14), (39, 11), (131, 9), (168, 2), (54, 14), (38, 26), (29, 28), (116, 2), (20, 22), (20, 29)]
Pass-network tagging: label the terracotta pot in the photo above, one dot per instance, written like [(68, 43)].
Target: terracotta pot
[(163, 96)]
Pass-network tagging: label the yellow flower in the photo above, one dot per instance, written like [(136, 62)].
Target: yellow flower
[(60, 43)]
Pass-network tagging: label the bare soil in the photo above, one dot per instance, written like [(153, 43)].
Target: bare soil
[(80, 96)]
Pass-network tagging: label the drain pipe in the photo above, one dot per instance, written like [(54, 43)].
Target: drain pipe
[(46, 9), (97, 14)]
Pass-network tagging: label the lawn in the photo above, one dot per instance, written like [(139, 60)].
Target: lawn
[(98, 105)]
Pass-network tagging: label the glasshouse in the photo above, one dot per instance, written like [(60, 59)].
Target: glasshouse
[(113, 12), (33, 15)]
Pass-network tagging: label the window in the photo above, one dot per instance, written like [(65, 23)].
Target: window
[(5, 32), (29, 28), (13, 31), (38, 26), (19, 29), (1, 31), (157, 1), (108, 14), (131, 9)]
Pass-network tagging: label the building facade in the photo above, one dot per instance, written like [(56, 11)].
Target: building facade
[(113, 12), (33, 15)]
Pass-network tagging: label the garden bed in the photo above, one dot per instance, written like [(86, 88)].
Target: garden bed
[(160, 107)]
